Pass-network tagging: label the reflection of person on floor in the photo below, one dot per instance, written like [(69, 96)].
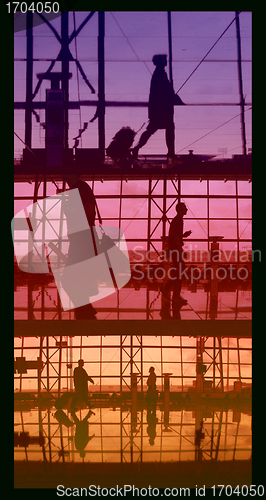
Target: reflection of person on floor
[(151, 428), (82, 437), (81, 379), (199, 436), (151, 396), (82, 244), (175, 241)]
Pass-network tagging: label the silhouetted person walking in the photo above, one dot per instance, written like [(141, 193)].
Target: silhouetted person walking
[(161, 107), (81, 379)]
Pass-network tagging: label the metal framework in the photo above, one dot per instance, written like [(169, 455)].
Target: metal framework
[(65, 57), (154, 209), (203, 367), (201, 364)]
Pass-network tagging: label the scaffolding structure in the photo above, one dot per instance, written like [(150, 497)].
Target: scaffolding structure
[(153, 215)]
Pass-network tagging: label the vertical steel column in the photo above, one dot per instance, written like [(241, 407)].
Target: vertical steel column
[(65, 72), (134, 397), (240, 84), (119, 225), (47, 364), (164, 217), (141, 364), (148, 241), (199, 366), (101, 363), (166, 390), (181, 362), (43, 239), (59, 367), (214, 365), (238, 359), (214, 279), (28, 118), (121, 366), (29, 75), (169, 24), (40, 370), (61, 223), (101, 86), (71, 362), (208, 213), (221, 362), (131, 358), (165, 302), (179, 189), (237, 226)]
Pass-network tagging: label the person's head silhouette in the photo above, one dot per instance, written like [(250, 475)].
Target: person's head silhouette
[(160, 60), (181, 208)]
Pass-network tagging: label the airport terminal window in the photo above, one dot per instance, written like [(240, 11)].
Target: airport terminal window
[(209, 377)]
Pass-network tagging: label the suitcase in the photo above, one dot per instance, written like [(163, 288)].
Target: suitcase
[(63, 419), (62, 402)]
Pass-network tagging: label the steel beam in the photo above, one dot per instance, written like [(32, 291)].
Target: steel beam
[(190, 328), (29, 77), (240, 84), (101, 84), (65, 75)]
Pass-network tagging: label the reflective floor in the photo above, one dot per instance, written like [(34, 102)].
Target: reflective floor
[(190, 441), (118, 435)]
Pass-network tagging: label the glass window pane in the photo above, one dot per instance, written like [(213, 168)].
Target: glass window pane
[(225, 228), (222, 208), (221, 187), (244, 208), (193, 187)]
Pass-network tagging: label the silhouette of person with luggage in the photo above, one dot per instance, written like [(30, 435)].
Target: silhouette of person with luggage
[(81, 379), (82, 244), (160, 108)]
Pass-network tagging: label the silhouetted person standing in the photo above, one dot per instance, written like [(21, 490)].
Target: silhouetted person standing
[(161, 107), (176, 234), (151, 392), (175, 239), (81, 379), (175, 243)]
